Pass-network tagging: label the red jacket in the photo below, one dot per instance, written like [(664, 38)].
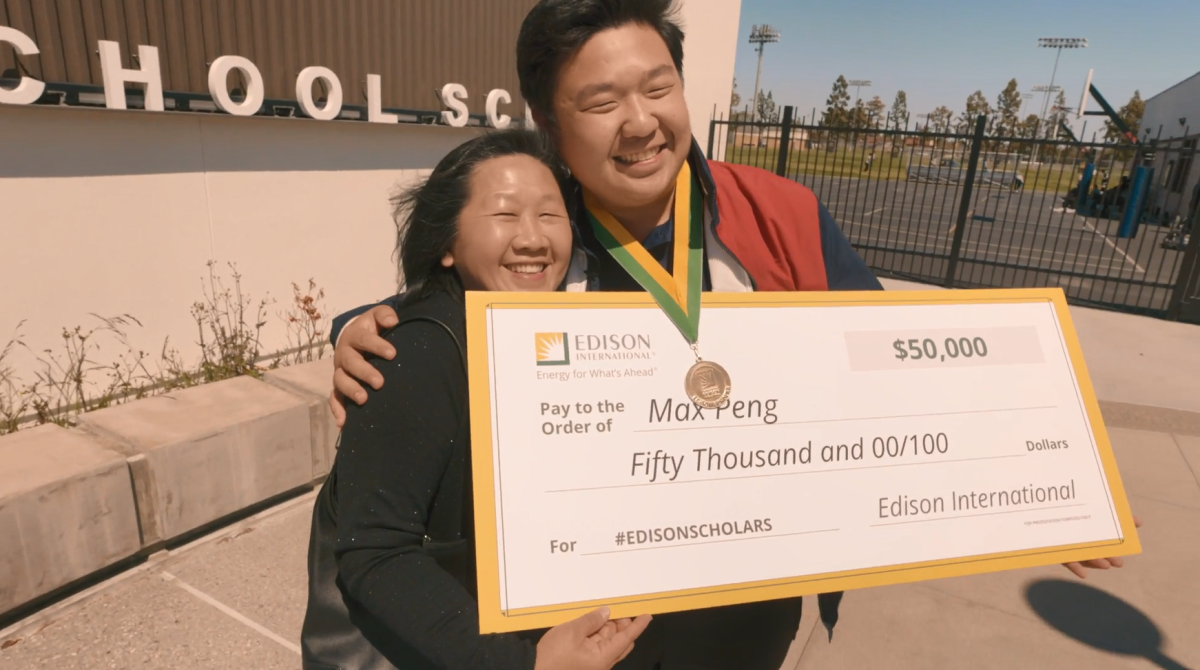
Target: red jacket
[(767, 233), (771, 226)]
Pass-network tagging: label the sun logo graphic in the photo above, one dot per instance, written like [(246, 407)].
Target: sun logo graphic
[(552, 349)]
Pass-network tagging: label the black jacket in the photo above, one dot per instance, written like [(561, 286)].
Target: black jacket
[(391, 566)]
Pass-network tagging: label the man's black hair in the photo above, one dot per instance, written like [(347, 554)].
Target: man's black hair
[(426, 214), (555, 30)]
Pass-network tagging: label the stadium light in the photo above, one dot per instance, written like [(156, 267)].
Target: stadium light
[(1063, 42), (762, 36), (1058, 44), (858, 84), (1025, 97)]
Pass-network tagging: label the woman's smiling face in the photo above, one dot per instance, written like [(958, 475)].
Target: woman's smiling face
[(513, 232)]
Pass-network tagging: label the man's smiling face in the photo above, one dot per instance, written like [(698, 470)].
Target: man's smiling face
[(622, 121)]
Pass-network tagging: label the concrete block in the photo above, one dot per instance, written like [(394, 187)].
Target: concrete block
[(314, 382), (1153, 466), (202, 453), (66, 510), (1153, 419)]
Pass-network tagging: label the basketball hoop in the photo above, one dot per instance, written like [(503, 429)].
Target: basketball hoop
[(1091, 92), (1087, 85)]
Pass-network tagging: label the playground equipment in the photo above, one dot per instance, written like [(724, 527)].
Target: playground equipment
[(1106, 109), (996, 169), (1130, 195)]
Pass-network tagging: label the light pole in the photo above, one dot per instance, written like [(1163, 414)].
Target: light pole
[(1045, 91), (1058, 44), (762, 36), (858, 85)]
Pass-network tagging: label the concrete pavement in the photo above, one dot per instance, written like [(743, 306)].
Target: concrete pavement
[(1144, 615), (1131, 359), (235, 598)]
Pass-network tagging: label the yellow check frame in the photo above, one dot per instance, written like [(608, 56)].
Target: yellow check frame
[(493, 619)]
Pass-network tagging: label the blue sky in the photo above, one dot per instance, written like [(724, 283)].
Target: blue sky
[(939, 51)]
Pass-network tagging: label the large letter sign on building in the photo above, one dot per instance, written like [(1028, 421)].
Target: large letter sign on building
[(375, 113), (255, 91), (148, 75), (115, 76), (333, 102), (496, 120), (28, 90), (452, 97)]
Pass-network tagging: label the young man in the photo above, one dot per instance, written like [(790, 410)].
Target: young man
[(604, 78)]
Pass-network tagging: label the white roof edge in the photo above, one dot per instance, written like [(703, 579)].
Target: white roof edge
[(1173, 86)]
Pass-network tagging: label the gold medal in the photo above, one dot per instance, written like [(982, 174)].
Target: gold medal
[(707, 384)]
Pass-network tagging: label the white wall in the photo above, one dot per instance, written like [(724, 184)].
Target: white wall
[(1181, 101), (117, 212), (709, 51)]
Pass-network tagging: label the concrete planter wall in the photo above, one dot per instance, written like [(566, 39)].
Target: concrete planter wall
[(66, 510), (135, 476)]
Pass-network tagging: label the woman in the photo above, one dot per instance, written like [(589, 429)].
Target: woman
[(391, 566)]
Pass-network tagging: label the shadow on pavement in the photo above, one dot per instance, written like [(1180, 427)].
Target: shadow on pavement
[(1099, 620)]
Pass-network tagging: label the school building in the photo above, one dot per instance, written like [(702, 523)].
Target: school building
[(1172, 121), (140, 140)]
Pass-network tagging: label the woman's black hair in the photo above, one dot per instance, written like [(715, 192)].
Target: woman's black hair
[(555, 29), (426, 214)]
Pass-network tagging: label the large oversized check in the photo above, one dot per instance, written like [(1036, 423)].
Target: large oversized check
[(869, 439)]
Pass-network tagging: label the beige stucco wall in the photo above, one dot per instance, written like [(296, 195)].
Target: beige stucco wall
[(709, 52), (117, 212)]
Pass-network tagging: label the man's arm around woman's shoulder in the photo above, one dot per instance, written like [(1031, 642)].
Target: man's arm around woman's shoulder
[(341, 320)]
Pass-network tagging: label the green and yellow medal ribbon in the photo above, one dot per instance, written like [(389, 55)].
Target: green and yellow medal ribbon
[(678, 292)]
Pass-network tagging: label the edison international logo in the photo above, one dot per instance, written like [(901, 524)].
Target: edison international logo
[(552, 349), (557, 348)]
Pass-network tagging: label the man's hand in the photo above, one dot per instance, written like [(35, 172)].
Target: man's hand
[(591, 642), (1080, 569), (359, 336)]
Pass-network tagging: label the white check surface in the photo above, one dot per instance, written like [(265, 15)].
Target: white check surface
[(923, 458)]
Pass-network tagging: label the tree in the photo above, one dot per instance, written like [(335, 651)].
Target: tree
[(900, 109), (766, 109), (1008, 109), (1058, 116), (734, 98), (1029, 127), (976, 105), (858, 117), (875, 111), (1131, 114), (837, 104), (940, 118)]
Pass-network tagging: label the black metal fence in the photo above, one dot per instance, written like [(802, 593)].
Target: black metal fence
[(1109, 223)]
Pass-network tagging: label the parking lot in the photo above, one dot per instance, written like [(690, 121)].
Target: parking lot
[(1011, 238)]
